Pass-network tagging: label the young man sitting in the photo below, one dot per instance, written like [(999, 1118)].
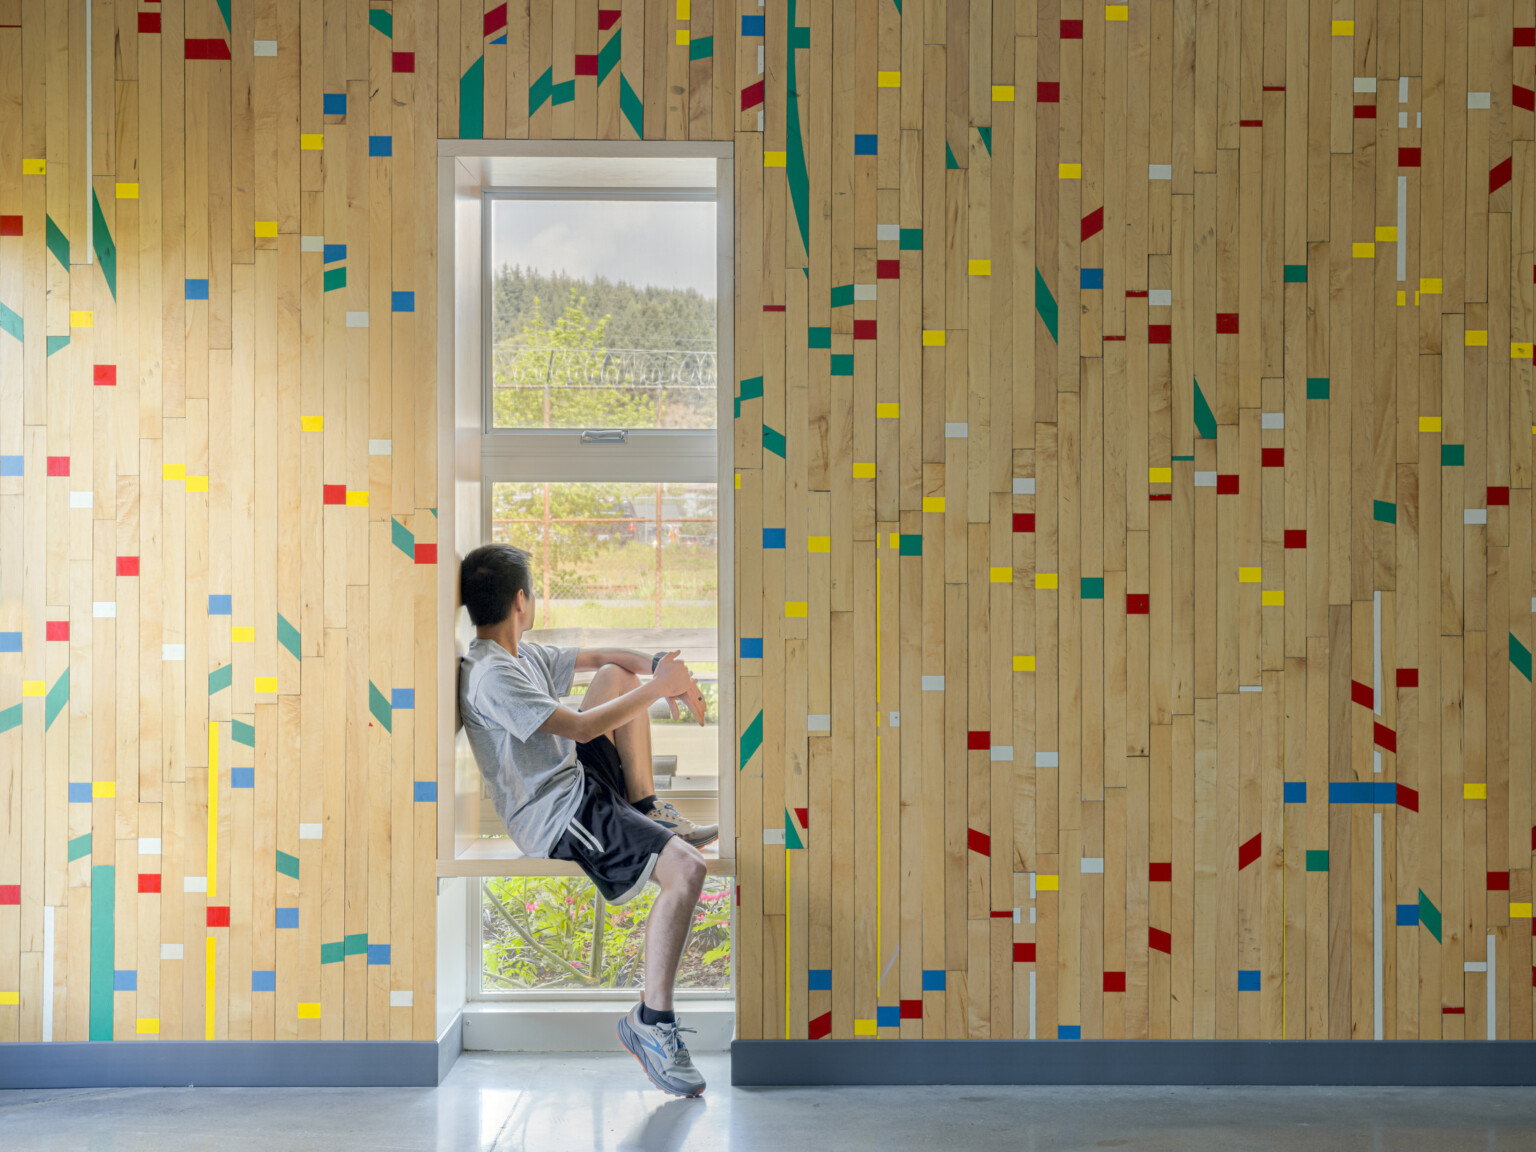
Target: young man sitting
[(575, 784)]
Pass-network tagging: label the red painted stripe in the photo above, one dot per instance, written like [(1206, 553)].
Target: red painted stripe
[(214, 49), (1249, 852), (607, 18), (1093, 223), (1134, 294), (496, 19), (752, 95), (1250, 123), (1119, 338), (1500, 176), (1159, 941), (1362, 694)]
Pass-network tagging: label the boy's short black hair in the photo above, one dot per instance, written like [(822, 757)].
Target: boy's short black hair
[(489, 580)]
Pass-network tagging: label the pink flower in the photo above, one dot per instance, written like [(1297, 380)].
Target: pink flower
[(531, 908)]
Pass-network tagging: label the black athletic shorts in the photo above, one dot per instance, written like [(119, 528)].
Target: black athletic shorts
[(615, 844)]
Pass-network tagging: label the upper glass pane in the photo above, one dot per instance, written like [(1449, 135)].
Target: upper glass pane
[(603, 313)]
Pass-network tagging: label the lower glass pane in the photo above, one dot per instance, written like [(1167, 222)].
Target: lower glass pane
[(556, 932)]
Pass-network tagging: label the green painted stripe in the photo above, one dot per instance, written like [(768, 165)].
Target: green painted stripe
[(539, 90), (1520, 656), (288, 865), (1317, 860), (57, 342), (1317, 387), (818, 338), (378, 704), (751, 739), (382, 19), (1045, 304), (1384, 512), (702, 48), (986, 137), (10, 322), (949, 156), (751, 389), (103, 943), (288, 636), (773, 441), (842, 364), (242, 733), (10, 718), (106, 248), (1429, 915), (794, 142), (1093, 588), (608, 55), (220, 679), (629, 104), (335, 278), (910, 544), (402, 538), (562, 93), (1205, 419), (224, 12), (1453, 455), (791, 833), (472, 102), (58, 244), (356, 944), (1295, 274), (79, 846), (842, 295), (58, 696), (909, 240), (332, 953)]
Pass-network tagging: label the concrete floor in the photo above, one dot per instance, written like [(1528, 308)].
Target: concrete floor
[(571, 1103)]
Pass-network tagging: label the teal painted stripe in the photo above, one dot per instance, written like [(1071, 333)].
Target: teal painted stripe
[(288, 636), (794, 143), (1205, 419), (335, 278), (472, 102), (608, 55), (403, 538), (539, 91), (58, 696), (103, 943), (331, 953), (751, 739), (242, 733), (773, 441), (57, 342), (629, 104), (842, 295), (220, 679), (355, 945), (1520, 656), (791, 833), (106, 248), (1429, 915), (986, 137), (10, 718), (378, 704), (1384, 511), (78, 847), (10, 322), (562, 93), (58, 244), (702, 48), (949, 156), (1317, 387), (287, 865), (224, 12), (382, 19), (751, 389), (1295, 274), (1045, 303)]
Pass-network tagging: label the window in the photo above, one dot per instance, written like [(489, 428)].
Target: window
[(589, 345)]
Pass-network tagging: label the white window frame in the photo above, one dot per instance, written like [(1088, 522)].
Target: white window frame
[(471, 458)]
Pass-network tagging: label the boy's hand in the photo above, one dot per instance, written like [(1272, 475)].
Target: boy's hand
[(675, 680)]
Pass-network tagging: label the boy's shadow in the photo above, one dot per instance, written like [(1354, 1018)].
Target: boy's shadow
[(666, 1128)]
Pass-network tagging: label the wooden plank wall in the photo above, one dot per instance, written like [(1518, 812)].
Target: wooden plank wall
[(1129, 382)]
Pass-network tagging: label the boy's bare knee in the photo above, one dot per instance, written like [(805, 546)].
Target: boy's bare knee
[(622, 675)]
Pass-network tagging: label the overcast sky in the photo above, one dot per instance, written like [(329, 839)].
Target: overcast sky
[(668, 244)]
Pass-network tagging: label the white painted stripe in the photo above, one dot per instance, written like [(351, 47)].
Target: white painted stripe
[(1160, 297), (1402, 89), (81, 500), (401, 999), (1272, 420), (149, 845), (170, 952), (895, 719), (759, 72), (266, 48), (90, 216), (311, 831), (1365, 83), (1031, 885), (1154, 172), (933, 683), (1378, 942), (1474, 516), (357, 319), (311, 243), (173, 651), (773, 836), (381, 448), (48, 970), (1376, 649), (1250, 687), (1093, 865), (1402, 227), (1031, 1003), (887, 231), (1205, 479), (1402, 122), (1479, 100), (1376, 756), (1031, 915), (1023, 485), (818, 722), (1001, 752), (1475, 966), (1047, 760), (956, 430), (864, 291), (104, 609), (887, 970), (1016, 915), (1490, 986), (194, 884)]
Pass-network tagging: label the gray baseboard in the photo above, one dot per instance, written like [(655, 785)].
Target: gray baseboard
[(228, 1063), (450, 1046), (782, 1063)]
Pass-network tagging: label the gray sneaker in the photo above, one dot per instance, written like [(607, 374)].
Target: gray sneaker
[(669, 817), (662, 1054)]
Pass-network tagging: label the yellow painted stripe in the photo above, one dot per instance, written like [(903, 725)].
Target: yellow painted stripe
[(794, 609), (1117, 12), (312, 423), (933, 503), (309, 1011), (357, 499), (1045, 883), (1002, 576), (1431, 287), (1250, 575), (243, 635), (888, 410), (10, 998), (1023, 663), (147, 1026), (173, 472), (887, 79), (1160, 475), (1045, 580), (773, 159), (1474, 791), (682, 9), (1519, 911), (1363, 250), (933, 337), (1521, 351), (79, 319), (1386, 232), (34, 687), (682, 36), (1343, 27), (266, 229), (864, 1028), (979, 267), (863, 470), (1002, 93), (34, 167), (213, 840), (1429, 423), (1069, 171), (1476, 338), (266, 683), (128, 191), (312, 141), (819, 543), (197, 483), (104, 789), (1272, 598)]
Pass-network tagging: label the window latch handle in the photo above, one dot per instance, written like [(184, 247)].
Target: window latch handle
[(604, 435)]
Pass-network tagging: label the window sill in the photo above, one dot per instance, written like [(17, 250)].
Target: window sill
[(584, 1025), (498, 856)]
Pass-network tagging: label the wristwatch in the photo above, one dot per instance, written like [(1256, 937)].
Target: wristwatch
[(655, 660)]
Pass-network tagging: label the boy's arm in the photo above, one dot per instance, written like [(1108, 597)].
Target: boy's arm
[(672, 677), (591, 659)]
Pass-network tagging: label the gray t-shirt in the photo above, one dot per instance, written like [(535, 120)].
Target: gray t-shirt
[(535, 781)]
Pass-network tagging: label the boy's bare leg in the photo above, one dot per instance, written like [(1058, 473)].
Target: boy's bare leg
[(680, 872), (632, 739)]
